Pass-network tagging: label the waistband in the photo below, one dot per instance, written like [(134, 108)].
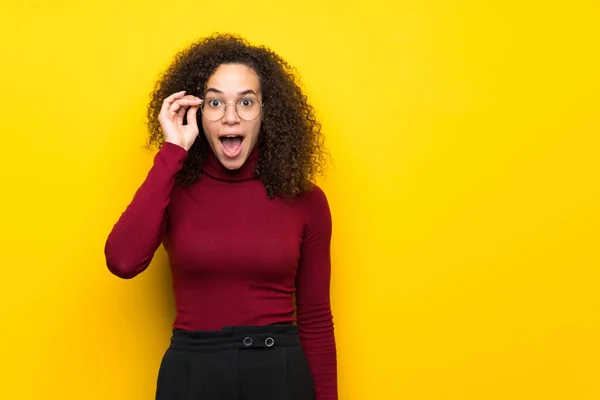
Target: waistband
[(241, 337)]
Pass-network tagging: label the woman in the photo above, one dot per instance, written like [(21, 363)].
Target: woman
[(246, 231)]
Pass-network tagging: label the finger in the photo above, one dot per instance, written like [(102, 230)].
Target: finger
[(167, 102), (191, 116), (178, 104), (184, 102), (174, 96), (174, 108), (180, 114)]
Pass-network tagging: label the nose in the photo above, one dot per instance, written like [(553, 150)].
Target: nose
[(230, 116)]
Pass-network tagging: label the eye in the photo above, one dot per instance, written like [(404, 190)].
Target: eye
[(214, 103), (246, 102)]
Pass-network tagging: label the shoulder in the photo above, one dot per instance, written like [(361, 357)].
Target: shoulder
[(313, 197), (315, 206)]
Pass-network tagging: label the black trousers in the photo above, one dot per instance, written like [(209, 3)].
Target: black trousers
[(237, 363)]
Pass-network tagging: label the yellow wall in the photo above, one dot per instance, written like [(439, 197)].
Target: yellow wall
[(464, 190)]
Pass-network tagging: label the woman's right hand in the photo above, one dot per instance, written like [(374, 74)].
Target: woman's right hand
[(171, 115)]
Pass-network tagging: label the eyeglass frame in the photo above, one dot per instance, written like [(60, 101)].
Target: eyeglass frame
[(225, 110)]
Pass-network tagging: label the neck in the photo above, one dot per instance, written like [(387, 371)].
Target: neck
[(213, 167)]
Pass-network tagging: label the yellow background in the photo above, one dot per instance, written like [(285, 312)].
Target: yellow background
[(463, 188)]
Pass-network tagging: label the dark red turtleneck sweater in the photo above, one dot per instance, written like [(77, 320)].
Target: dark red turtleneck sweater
[(236, 256)]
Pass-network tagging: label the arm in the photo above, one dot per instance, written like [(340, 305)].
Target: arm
[(135, 237), (315, 320)]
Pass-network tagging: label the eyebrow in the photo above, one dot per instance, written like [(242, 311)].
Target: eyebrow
[(248, 91)]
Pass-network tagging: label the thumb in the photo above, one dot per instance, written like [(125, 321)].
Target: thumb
[(191, 115)]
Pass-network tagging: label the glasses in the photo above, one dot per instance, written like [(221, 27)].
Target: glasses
[(247, 109)]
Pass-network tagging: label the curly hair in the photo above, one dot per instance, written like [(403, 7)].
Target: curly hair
[(290, 139)]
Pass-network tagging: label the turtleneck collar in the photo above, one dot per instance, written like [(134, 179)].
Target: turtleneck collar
[(213, 167)]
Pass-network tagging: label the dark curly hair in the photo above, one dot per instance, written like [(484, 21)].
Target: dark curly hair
[(290, 139)]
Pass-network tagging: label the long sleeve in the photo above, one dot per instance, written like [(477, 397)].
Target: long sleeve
[(315, 320), (135, 237)]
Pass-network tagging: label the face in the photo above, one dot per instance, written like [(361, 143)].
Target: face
[(232, 138)]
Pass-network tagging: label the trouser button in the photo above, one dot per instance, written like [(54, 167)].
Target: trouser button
[(247, 341), (269, 341)]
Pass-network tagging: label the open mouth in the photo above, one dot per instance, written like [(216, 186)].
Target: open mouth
[(231, 145)]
